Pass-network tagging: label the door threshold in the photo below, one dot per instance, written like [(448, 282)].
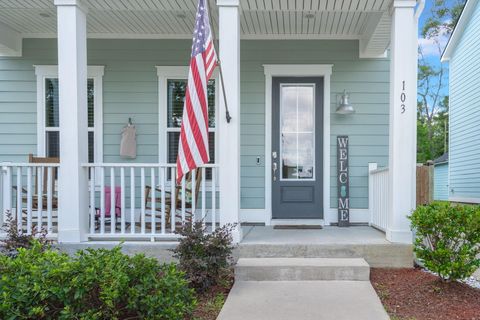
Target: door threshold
[(297, 222), (297, 227)]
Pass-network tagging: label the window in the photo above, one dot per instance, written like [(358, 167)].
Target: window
[(172, 87), (48, 125)]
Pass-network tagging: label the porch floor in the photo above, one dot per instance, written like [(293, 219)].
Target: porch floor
[(329, 242), (327, 235)]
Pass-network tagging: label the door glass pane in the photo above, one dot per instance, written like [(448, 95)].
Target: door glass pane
[(175, 99), (297, 131), (51, 102)]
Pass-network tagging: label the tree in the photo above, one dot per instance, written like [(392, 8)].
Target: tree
[(432, 116)]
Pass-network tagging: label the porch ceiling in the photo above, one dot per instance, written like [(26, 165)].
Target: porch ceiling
[(365, 20)]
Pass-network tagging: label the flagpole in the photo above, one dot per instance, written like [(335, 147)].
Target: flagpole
[(219, 64)]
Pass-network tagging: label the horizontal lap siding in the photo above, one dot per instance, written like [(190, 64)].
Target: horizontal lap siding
[(440, 189), (18, 107), (464, 152), (366, 80), (130, 90)]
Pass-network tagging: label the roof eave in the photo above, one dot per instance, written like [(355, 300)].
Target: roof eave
[(458, 31)]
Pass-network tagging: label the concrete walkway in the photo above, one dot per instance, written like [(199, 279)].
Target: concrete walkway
[(303, 300)]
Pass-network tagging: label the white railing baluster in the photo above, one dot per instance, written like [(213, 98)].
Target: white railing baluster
[(122, 200), (132, 200), (92, 200), (2, 195), (142, 205), (29, 200), (204, 197), (162, 189), (49, 199), (173, 199), (214, 198), (152, 200), (113, 206), (7, 191), (379, 192), (194, 198), (162, 206), (102, 200), (183, 200), (40, 171), (19, 198)]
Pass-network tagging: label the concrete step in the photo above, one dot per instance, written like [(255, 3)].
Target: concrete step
[(301, 269), (389, 255)]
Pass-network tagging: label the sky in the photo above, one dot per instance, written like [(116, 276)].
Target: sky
[(429, 48)]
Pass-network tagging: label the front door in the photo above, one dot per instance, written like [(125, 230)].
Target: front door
[(297, 148)]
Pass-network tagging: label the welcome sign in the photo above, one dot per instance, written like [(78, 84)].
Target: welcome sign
[(343, 181)]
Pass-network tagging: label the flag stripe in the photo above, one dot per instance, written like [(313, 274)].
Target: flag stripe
[(193, 143)]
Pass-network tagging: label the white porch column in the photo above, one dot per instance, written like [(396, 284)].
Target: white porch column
[(403, 111), (229, 133), (72, 74)]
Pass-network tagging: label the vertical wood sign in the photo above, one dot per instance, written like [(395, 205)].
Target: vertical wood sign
[(343, 182)]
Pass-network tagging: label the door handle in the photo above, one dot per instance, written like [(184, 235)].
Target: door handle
[(274, 168)]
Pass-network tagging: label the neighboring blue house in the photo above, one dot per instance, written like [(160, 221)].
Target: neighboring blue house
[(440, 178), (68, 92), (463, 55)]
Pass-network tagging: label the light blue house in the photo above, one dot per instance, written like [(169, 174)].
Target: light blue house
[(73, 73), (463, 55), (440, 178)]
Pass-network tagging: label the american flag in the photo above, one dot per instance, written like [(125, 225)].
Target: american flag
[(193, 143)]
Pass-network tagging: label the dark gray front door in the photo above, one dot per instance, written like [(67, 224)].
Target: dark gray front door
[(297, 148)]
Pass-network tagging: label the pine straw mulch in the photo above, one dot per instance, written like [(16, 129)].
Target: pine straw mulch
[(412, 294)]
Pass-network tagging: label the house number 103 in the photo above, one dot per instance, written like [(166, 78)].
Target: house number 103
[(403, 97)]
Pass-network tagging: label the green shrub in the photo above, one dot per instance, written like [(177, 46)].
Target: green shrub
[(94, 284), (205, 257), (447, 238)]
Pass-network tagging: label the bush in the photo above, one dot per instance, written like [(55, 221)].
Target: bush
[(94, 284), (447, 238), (206, 258), (16, 239)]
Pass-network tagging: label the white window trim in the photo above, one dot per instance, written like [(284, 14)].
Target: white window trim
[(51, 71), (165, 73), (298, 70)]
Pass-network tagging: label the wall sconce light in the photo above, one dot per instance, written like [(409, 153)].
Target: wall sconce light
[(344, 107)]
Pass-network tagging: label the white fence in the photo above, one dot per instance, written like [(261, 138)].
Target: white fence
[(126, 201), (28, 193), (378, 196), (146, 201)]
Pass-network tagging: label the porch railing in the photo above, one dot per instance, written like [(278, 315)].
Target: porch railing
[(125, 201), (144, 200), (28, 193), (378, 196)]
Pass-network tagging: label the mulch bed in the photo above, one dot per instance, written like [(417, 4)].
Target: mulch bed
[(210, 303), (412, 294)]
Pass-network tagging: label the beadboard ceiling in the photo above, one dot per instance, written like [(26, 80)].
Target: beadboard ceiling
[(366, 20)]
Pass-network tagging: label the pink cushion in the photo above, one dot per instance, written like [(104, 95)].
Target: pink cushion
[(118, 201)]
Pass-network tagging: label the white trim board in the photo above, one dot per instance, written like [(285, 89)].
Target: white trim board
[(464, 199), (164, 73), (96, 73), (298, 70), (462, 24)]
